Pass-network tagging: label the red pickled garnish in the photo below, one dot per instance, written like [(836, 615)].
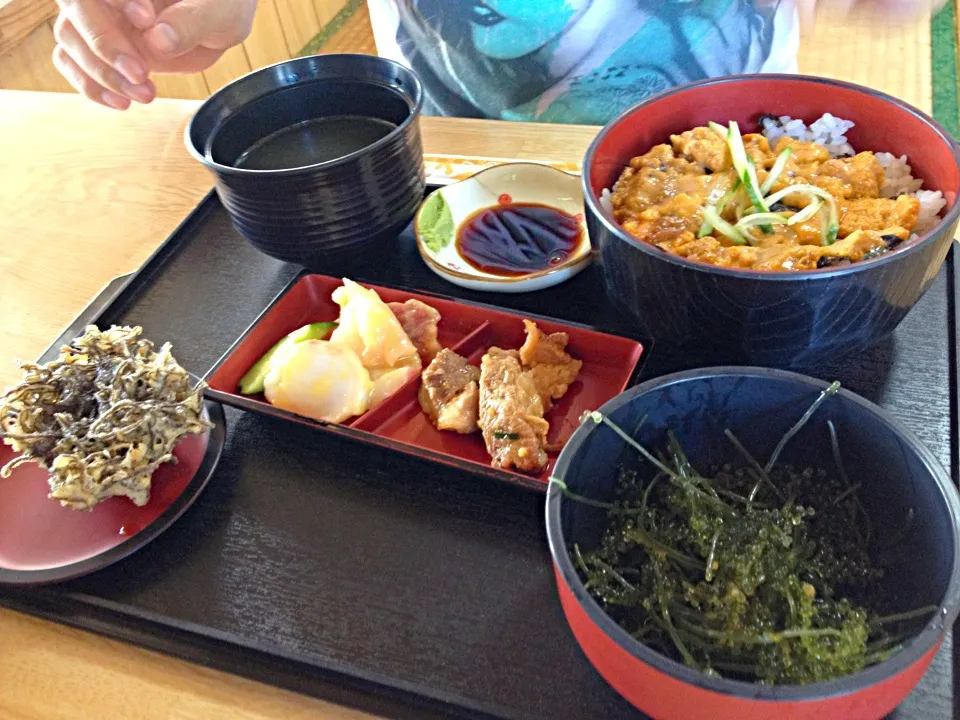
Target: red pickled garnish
[(504, 199)]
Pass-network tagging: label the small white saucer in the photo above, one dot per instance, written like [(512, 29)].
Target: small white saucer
[(439, 217)]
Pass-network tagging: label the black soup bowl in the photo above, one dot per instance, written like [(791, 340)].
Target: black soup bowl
[(781, 319), (316, 159)]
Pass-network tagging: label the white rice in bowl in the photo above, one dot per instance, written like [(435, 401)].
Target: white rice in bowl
[(606, 201), (831, 132)]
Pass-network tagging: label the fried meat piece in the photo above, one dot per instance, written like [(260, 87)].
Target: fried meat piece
[(703, 146), (878, 214), (511, 413), (449, 393), (420, 322), (551, 366)]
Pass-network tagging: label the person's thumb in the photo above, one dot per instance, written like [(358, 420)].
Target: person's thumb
[(189, 24)]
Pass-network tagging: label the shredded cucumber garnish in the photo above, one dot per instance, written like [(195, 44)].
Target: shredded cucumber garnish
[(831, 216), (807, 213), (810, 191), (775, 172), (751, 203), (718, 129), (829, 226), (745, 168), (762, 219), (723, 227), (707, 227)]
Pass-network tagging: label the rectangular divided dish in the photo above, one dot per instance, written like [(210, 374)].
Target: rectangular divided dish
[(610, 363)]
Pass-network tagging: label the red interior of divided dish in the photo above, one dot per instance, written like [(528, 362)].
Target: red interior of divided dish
[(882, 124), (609, 363)]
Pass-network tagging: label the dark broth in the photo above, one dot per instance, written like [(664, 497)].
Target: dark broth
[(517, 239), (308, 124), (315, 141)]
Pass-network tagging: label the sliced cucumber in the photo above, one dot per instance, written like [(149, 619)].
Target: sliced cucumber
[(707, 227), (252, 382), (718, 129), (776, 171), (723, 227), (746, 170), (807, 213), (762, 219)]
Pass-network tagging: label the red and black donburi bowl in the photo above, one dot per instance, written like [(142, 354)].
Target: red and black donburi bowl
[(316, 159), (896, 474), (781, 319)]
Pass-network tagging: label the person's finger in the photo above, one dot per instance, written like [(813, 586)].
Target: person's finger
[(104, 75), (195, 61), (84, 84), (139, 13), (189, 24), (100, 26)]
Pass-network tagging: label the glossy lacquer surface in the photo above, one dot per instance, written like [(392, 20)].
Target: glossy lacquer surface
[(42, 542), (311, 205), (897, 476), (779, 319), (399, 423), (356, 573)]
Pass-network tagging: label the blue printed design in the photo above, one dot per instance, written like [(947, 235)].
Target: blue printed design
[(574, 61)]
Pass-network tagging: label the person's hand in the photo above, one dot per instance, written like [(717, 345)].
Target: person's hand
[(895, 10), (107, 49)]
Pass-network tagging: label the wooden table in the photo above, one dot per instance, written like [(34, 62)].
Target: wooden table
[(86, 195)]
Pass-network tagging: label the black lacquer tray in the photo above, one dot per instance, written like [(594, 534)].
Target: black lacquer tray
[(372, 579)]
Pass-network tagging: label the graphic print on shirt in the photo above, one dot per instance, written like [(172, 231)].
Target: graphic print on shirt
[(576, 61)]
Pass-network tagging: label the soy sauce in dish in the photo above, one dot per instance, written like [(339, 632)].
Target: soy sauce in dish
[(517, 238), (314, 141)]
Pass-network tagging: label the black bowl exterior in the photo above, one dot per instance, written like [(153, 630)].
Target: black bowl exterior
[(784, 322), (334, 209), (777, 319), (759, 405)]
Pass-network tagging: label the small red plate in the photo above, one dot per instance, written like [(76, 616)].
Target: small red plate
[(42, 541), (609, 365)]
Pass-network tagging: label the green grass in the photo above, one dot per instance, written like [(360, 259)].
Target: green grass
[(943, 61), (332, 28)]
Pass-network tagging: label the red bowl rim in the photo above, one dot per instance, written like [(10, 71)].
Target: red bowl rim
[(912, 652), (592, 204)]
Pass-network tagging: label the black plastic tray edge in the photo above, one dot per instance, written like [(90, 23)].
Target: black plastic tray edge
[(953, 296), (198, 644), (365, 437), (258, 664), (370, 693), (118, 291)]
